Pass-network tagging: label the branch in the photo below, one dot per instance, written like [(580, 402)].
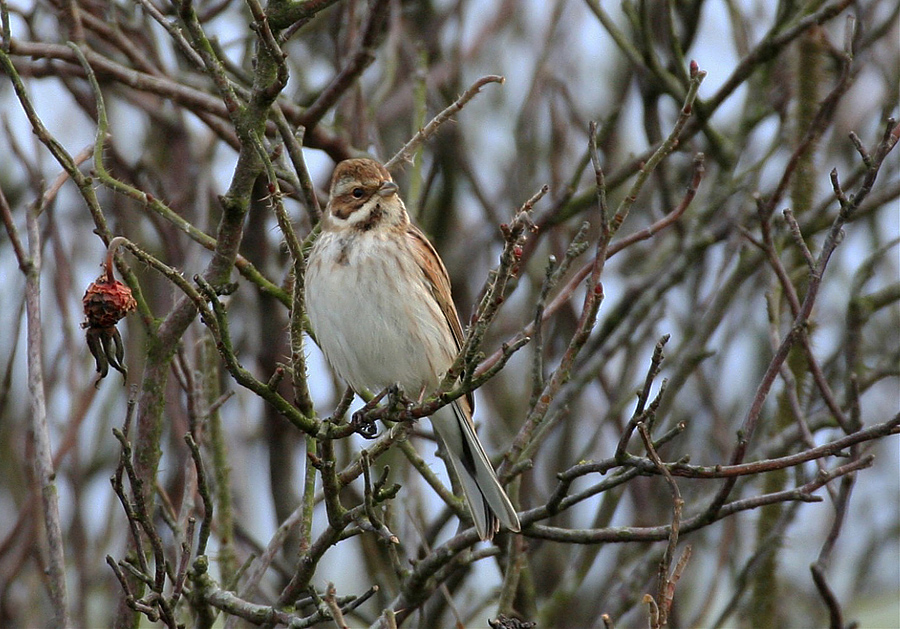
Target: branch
[(661, 533), (43, 456), (832, 239), (361, 58), (404, 154), (890, 427)]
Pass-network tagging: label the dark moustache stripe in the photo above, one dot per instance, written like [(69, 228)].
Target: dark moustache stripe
[(348, 206), (373, 219)]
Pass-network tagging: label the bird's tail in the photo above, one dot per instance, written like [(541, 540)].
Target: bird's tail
[(487, 501)]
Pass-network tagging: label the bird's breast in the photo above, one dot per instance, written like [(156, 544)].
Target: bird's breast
[(374, 315)]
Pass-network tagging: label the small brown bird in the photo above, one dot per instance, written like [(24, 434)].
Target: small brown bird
[(378, 297)]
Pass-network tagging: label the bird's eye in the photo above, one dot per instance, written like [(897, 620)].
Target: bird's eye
[(358, 193)]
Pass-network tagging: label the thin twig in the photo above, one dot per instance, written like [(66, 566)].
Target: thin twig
[(404, 154)]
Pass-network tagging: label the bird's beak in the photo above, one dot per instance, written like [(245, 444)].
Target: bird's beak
[(387, 189)]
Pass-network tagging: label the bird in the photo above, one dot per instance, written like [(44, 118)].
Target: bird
[(379, 302)]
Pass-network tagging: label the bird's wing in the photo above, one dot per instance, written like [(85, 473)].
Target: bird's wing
[(436, 275)]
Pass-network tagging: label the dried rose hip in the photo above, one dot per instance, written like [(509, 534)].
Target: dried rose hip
[(106, 301)]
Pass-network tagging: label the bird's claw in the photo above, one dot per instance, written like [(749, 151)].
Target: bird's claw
[(363, 425)]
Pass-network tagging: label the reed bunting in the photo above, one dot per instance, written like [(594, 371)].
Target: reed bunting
[(378, 298)]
